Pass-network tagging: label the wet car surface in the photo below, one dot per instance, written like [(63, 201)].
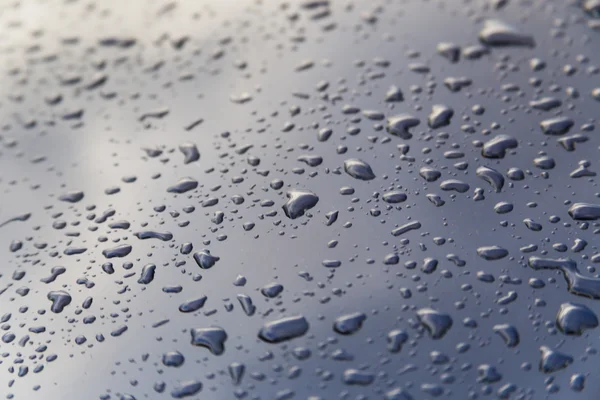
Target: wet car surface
[(299, 200)]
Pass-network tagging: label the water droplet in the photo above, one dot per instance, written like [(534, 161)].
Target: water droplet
[(396, 339), (358, 169), (60, 299), (272, 290), (577, 382), (236, 372), (398, 394), (578, 284), (399, 125), (573, 319), (284, 329), (212, 338), (147, 274), (183, 185), (186, 389), (71, 197), (119, 251), (557, 125), (488, 374), (491, 176), (503, 207), (394, 197), (454, 185), (299, 201), (499, 33), (192, 305), (164, 236), (357, 377), (349, 324), (497, 147), (553, 360), (508, 333), (491, 253), (173, 359), (247, 304), (394, 94), (450, 51), (545, 103), (406, 228), (436, 322), (441, 115), (585, 212), (204, 259), (190, 152)]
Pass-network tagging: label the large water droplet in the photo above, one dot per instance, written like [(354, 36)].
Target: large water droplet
[(573, 318), (358, 169), (299, 201), (349, 324), (499, 33), (284, 329), (399, 125), (212, 338), (436, 322)]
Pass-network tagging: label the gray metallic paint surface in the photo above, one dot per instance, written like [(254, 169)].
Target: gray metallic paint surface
[(45, 43)]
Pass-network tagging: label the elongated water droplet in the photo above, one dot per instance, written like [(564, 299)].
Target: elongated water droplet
[(284, 329)]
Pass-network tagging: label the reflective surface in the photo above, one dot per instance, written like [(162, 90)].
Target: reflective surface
[(265, 200)]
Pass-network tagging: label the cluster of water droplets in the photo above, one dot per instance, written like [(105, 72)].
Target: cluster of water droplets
[(419, 225)]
